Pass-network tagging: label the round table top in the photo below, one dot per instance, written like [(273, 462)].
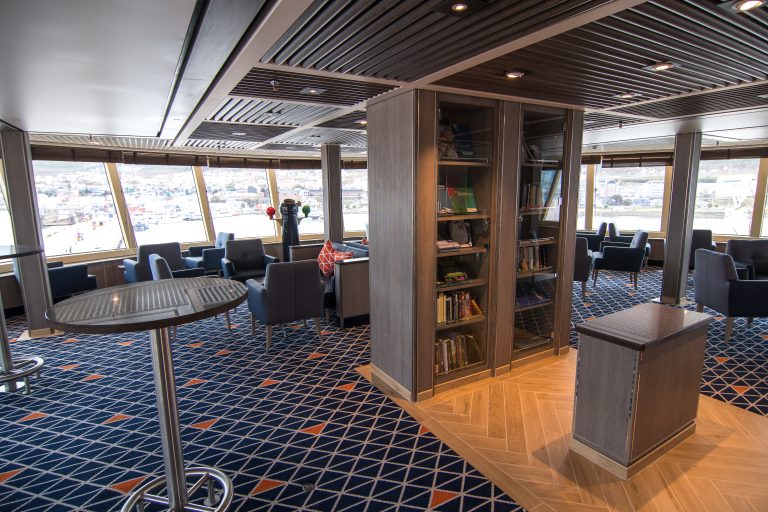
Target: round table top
[(17, 251), (146, 305)]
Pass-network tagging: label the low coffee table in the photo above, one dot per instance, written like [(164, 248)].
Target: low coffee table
[(155, 306)]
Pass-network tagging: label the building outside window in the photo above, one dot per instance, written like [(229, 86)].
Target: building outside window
[(239, 199), (725, 196), (581, 216), (162, 203), (304, 186), (354, 199), (630, 197), (77, 211)]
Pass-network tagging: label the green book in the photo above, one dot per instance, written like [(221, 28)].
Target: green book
[(462, 199)]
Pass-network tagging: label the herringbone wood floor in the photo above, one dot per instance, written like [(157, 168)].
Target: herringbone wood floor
[(515, 430)]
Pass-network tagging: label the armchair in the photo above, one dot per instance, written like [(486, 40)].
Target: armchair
[(594, 239), (245, 259), (69, 280), (291, 291), (618, 256), (752, 254), (700, 239), (139, 270), (582, 264), (717, 286), (614, 235), (208, 257)]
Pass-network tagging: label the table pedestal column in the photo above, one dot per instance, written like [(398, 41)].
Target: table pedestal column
[(179, 497), (11, 371)]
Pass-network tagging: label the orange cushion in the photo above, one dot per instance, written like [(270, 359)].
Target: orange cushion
[(326, 259)]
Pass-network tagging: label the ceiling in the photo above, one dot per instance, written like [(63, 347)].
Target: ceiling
[(282, 77)]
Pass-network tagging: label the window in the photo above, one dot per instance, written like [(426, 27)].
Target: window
[(239, 199), (725, 196), (354, 199), (581, 216), (6, 230), (162, 203), (630, 197), (77, 211), (306, 187)]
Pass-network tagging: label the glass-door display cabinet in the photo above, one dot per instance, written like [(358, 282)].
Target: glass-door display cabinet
[(538, 228)]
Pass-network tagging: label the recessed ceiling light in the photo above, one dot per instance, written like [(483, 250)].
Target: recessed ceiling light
[(626, 95), (514, 74), (661, 66), (362, 121), (459, 7), (312, 90), (239, 134), (289, 147), (747, 5)]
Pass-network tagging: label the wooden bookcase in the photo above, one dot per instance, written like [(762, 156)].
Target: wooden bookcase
[(449, 168)]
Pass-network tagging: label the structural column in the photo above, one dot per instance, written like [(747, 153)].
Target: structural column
[(330, 155), (25, 221), (685, 171)]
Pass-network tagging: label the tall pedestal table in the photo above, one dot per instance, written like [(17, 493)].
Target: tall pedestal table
[(12, 372), (155, 306)]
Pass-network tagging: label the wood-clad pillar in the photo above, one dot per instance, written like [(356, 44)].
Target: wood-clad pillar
[(25, 222), (333, 217), (685, 172)]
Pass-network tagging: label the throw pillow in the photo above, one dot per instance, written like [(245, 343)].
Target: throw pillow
[(326, 259), (339, 256), (364, 241)]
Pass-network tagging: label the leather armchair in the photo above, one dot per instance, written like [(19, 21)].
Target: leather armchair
[(138, 270), (700, 239), (618, 256), (614, 235), (752, 254), (208, 257), (594, 239), (245, 259), (291, 291), (69, 280), (582, 264), (717, 286)]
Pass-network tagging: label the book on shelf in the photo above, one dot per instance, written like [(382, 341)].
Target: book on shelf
[(532, 198), (532, 298), (450, 245), (456, 306), (462, 199), (531, 258), (455, 350)]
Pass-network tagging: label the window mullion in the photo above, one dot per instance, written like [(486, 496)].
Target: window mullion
[(759, 205), (123, 217), (589, 206), (666, 199), (205, 207), (274, 197)]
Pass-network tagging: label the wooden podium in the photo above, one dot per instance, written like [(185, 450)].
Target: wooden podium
[(637, 385)]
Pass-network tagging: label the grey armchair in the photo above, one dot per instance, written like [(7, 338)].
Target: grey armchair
[(208, 256), (582, 266), (752, 254), (138, 270), (594, 239), (614, 235), (291, 291), (717, 286), (160, 270), (700, 239), (68, 280), (245, 259), (621, 257)]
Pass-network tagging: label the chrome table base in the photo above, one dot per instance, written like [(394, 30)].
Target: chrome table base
[(179, 497), (11, 372)]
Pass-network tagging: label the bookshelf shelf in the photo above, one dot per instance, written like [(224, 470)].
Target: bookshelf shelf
[(539, 163), (528, 307), (535, 243), (463, 216), (459, 323), (524, 340), (536, 272), (464, 163), (463, 252), (537, 211), (443, 377), (472, 283)]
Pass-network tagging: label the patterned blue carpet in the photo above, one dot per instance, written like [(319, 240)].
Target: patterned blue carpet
[(297, 429)]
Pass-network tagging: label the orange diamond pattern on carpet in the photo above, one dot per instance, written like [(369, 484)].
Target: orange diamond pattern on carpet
[(314, 429), (205, 425), (439, 497), (33, 416), (266, 485), (127, 486), (9, 474), (116, 418)]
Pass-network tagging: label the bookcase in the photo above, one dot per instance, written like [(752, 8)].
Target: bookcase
[(469, 197)]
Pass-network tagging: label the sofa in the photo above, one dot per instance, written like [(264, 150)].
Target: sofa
[(348, 289), (752, 254), (69, 280)]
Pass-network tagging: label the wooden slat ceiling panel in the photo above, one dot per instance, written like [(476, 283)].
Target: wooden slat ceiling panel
[(246, 110), (303, 148), (150, 143), (284, 85), (728, 99), (406, 40), (599, 120), (712, 47), (237, 132), (325, 136), (350, 121)]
